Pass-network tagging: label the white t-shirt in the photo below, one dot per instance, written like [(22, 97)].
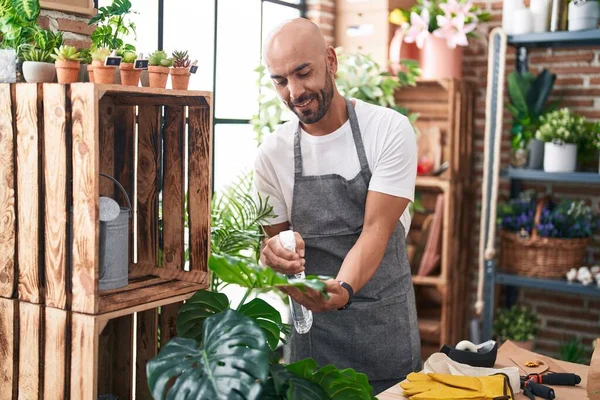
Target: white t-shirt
[(390, 145)]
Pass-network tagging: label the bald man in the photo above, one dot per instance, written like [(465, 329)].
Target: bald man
[(341, 175)]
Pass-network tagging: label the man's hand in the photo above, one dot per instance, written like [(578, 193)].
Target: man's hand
[(282, 260), (315, 302)]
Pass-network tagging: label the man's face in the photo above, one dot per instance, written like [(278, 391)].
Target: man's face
[(305, 85)]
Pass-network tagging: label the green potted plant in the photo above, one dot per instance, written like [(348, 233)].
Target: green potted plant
[(563, 133), (517, 324), (528, 95), (180, 71), (102, 73), (38, 66), (572, 350), (158, 69), (129, 75), (67, 61)]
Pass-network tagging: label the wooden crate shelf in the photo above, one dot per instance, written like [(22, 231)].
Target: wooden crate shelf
[(55, 141)]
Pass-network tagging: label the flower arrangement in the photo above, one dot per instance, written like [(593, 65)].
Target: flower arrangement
[(452, 20), (517, 214), (563, 126)]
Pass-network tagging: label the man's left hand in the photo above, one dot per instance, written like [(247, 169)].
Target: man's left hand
[(315, 302)]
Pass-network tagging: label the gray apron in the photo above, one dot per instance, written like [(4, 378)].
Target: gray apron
[(378, 333)]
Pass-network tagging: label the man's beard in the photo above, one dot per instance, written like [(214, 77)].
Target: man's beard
[(323, 99)]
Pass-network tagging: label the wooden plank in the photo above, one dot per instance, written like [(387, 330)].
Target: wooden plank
[(200, 166), (28, 186), (147, 347), (200, 277), (133, 91), (55, 180), (154, 100), (30, 331), (84, 356), (8, 355), (106, 351), (123, 358), (55, 354), (173, 188), (147, 306), (107, 146), (168, 322), (134, 284), (7, 195), (148, 294), (85, 198), (147, 185)]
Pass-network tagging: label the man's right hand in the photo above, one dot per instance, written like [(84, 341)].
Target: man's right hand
[(283, 260)]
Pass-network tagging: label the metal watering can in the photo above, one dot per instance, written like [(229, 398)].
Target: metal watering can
[(113, 241)]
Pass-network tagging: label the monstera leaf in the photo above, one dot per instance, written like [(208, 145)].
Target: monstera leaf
[(268, 318), (30, 9), (241, 272), (232, 362), (283, 384)]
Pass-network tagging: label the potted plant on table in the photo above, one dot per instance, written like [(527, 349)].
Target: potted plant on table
[(517, 324), (67, 62), (180, 71), (158, 69), (38, 66), (439, 29), (129, 75), (563, 133), (102, 73)]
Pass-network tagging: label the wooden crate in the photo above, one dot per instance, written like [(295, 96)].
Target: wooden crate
[(53, 354), (55, 140)]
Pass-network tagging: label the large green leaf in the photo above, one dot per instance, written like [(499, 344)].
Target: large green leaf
[(249, 275), (339, 384), (517, 93), (267, 317), (290, 386), (192, 314), (30, 9), (231, 363), (540, 91)]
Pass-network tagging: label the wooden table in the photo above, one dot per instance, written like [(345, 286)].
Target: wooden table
[(565, 392)]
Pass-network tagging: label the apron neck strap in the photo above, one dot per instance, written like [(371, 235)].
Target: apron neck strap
[(358, 143)]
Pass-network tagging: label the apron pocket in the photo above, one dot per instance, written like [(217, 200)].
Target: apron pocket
[(372, 338)]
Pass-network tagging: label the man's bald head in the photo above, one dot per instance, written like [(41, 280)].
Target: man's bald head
[(299, 34)]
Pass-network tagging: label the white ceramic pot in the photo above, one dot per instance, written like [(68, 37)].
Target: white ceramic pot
[(522, 21), (8, 66), (39, 72), (560, 157), (583, 15)]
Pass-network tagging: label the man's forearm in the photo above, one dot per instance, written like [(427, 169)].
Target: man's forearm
[(364, 258)]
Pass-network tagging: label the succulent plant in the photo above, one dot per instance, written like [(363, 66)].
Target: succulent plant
[(35, 54), (100, 54), (129, 57), (160, 58), (66, 53), (181, 59)]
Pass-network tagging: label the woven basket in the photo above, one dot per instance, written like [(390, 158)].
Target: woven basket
[(540, 257)]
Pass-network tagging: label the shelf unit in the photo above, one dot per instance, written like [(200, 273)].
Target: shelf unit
[(446, 105)]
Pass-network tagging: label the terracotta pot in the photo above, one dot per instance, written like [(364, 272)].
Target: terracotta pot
[(180, 78), (438, 61), (67, 71), (39, 72), (158, 76), (103, 74), (90, 71), (129, 76)]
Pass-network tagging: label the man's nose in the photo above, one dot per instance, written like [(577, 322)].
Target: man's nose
[(296, 91)]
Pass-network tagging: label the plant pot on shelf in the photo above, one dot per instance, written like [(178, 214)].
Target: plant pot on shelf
[(438, 61), (158, 76), (103, 74), (180, 78), (67, 71), (129, 75), (39, 72), (560, 157), (583, 15), (536, 154)]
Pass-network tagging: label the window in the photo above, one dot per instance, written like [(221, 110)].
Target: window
[(226, 37)]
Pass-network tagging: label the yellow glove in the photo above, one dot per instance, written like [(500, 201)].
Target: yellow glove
[(432, 386)]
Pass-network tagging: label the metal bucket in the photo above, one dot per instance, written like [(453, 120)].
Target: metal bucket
[(113, 254)]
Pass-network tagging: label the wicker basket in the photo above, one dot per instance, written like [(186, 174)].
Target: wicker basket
[(540, 257)]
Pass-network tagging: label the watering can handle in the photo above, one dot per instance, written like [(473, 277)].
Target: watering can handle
[(121, 188)]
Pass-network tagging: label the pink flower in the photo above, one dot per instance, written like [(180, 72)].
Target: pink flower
[(456, 8), (453, 30), (418, 29)]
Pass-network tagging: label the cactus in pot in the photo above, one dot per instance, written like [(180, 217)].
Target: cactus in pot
[(67, 61), (129, 75), (158, 69), (180, 72), (102, 73)]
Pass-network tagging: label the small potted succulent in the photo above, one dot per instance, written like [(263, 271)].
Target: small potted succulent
[(180, 72), (67, 62), (158, 69), (517, 324), (38, 66), (102, 73), (129, 75)]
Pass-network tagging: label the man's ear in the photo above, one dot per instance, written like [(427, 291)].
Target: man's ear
[(331, 59)]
